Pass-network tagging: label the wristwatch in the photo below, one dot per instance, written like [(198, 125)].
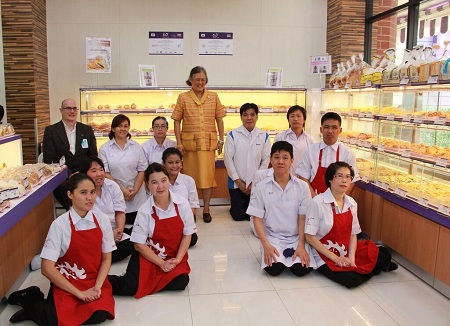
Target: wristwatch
[(221, 142)]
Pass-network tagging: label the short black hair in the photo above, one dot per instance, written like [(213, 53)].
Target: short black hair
[(282, 145), (331, 116), (333, 167), (171, 151), (296, 108), (86, 163), (248, 106), (160, 118)]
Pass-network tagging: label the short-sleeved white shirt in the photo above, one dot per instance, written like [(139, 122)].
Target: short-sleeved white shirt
[(124, 166), (300, 144), (60, 233), (319, 217), (144, 224), (110, 202), (310, 162), (184, 186), (153, 152)]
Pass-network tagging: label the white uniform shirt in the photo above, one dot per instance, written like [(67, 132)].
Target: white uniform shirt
[(110, 202), (153, 152), (145, 224), (124, 165), (319, 217), (71, 137), (310, 162), (246, 152), (60, 233), (184, 186), (300, 144)]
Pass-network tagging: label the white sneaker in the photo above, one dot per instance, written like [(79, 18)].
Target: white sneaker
[(35, 263)]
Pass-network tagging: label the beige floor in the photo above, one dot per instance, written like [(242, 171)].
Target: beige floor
[(228, 288)]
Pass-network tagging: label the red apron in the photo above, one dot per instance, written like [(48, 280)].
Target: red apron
[(80, 265), (318, 182), (165, 242), (338, 240)]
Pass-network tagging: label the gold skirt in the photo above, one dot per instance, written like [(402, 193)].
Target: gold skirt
[(201, 166)]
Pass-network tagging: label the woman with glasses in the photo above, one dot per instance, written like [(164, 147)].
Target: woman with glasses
[(331, 228), (155, 147), (125, 163)]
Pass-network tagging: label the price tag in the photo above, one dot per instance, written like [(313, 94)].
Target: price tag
[(369, 115), (381, 148), (418, 119), (368, 83), (365, 179), (13, 193), (267, 110), (406, 118), (347, 85), (433, 79), (404, 81), (439, 121), (115, 111), (359, 142), (423, 202), (382, 185), (442, 162), (133, 134), (361, 115), (390, 117), (353, 141), (230, 110), (400, 192), (406, 153), (443, 210), (335, 86), (98, 134)]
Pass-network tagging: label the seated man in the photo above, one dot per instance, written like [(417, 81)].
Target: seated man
[(278, 206)]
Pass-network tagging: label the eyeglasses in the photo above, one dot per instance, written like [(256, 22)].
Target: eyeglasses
[(341, 176), (74, 109), (159, 127)]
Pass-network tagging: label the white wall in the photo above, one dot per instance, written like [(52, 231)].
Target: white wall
[(267, 33)]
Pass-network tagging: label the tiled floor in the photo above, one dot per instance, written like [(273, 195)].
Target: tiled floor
[(228, 288)]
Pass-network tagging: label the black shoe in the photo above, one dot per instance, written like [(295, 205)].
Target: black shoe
[(15, 297), (391, 267), (207, 218), (19, 316)]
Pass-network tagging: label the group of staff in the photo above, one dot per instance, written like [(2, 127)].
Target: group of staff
[(296, 231)]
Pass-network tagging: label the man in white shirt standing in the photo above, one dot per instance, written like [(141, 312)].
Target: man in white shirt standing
[(321, 154), (154, 148), (247, 149)]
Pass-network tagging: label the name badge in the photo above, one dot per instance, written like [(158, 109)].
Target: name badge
[(84, 143)]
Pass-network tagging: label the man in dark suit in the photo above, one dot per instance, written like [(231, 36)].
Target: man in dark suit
[(67, 141)]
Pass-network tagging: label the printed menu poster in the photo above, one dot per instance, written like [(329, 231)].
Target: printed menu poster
[(98, 55), (274, 77), (211, 43), (320, 64), (166, 43), (147, 76)]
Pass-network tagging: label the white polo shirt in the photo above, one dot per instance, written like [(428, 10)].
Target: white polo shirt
[(300, 144), (60, 233), (110, 202), (246, 152), (144, 224), (184, 186), (153, 152), (124, 165), (310, 162)]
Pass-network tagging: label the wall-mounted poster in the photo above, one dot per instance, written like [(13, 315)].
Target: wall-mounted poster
[(147, 76), (320, 64), (98, 55), (274, 77), (166, 43), (213, 43)]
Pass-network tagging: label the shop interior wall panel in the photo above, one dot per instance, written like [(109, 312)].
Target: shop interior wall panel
[(26, 70), (376, 203), (364, 215), (443, 256), (411, 235)]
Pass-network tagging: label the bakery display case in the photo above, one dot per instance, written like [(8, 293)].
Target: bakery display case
[(98, 106)]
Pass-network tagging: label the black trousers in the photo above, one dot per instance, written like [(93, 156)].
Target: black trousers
[(60, 194), (124, 249), (353, 279), (130, 217), (238, 205), (297, 269), (128, 283), (43, 311)]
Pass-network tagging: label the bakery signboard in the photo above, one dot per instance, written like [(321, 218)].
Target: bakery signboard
[(215, 43), (166, 43), (98, 55)]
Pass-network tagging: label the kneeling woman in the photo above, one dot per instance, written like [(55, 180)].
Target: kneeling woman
[(161, 235), (331, 229), (76, 259)]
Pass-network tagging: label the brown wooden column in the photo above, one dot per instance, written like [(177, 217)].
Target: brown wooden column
[(26, 70)]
